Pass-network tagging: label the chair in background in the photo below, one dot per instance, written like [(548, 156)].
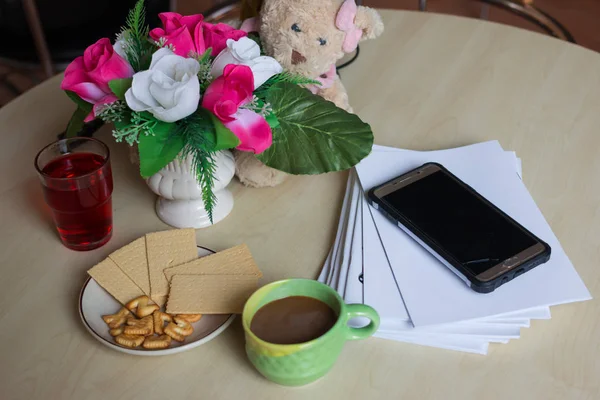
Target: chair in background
[(45, 35), (525, 9)]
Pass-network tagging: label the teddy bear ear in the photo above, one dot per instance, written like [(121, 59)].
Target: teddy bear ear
[(370, 22)]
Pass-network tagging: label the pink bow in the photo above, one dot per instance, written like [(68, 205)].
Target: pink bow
[(250, 25), (345, 22)]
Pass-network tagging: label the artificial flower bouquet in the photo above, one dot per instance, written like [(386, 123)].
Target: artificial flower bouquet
[(192, 88)]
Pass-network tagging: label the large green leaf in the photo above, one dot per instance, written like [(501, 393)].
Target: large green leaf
[(84, 105), (314, 135), (120, 86), (76, 122), (158, 150)]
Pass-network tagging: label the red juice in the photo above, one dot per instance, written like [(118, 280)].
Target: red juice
[(78, 189)]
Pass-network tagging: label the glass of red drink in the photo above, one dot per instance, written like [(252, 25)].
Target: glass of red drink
[(77, 183)]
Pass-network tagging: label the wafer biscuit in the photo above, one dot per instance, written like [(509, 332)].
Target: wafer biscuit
[(210, 294), (133, 261), (165, 250), (235, 261), (108, 275)]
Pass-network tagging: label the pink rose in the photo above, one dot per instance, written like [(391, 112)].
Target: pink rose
[(226, 95), (229, 91), (184, 33), (253, 131), (88, 75), (215, 36)]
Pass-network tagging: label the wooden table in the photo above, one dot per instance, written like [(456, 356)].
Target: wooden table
[(431, 82)]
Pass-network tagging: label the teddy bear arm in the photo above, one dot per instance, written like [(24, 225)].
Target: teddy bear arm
[(337, 94), (253, 173)]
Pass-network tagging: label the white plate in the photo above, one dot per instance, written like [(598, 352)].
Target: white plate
[(94, 302)]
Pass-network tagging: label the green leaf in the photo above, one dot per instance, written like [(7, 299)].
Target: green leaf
[(158, 150), (139, 49), (205, 56), (272, 121), (289, 77), (314, 135), (120, 86), (84, 105), (76, 122), (225, 139)]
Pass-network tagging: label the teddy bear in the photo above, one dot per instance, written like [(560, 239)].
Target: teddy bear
[(306, 37)]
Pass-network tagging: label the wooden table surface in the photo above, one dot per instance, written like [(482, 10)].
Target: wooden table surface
[(431, 82)]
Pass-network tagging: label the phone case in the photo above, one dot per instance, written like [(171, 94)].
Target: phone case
[(470, 279)]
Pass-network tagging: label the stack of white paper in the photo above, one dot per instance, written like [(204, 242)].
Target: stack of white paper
[(421, 301)]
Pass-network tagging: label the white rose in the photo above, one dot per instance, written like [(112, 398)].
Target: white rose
[(246, 52), (169, 90)]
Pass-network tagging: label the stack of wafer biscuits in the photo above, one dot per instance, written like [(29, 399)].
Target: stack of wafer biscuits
[(165, 267)]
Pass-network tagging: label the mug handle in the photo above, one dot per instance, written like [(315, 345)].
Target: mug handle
[(361, 310)]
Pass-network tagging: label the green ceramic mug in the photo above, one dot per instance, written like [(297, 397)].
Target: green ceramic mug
[(303, 363)]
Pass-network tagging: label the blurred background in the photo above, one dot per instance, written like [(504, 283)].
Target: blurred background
[(43, 36)]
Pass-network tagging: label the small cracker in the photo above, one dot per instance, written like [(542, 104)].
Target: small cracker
[(235, 261), (157, 342), (108, 275), (191, 318), (132, 259), (159, 319), (131, 341), (172, 334), (116, 331), (210, 294), (141, 327), (164, 250)]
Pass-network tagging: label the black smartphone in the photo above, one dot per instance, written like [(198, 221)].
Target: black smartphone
[(481, 244)]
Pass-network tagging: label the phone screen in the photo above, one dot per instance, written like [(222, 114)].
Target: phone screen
[(467, 228)]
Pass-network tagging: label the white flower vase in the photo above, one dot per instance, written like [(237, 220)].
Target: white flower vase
[(180, 196)]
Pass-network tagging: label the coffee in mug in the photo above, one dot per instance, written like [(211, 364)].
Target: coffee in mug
[(295, 319)]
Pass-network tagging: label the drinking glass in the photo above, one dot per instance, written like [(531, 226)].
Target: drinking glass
[(77, 183)]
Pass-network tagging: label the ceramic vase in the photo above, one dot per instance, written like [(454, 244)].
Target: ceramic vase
[(179, 202)]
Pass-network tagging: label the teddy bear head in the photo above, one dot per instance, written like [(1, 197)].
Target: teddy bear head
[(308, 36)]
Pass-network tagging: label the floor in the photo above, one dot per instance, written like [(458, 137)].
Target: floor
[(580, 17)]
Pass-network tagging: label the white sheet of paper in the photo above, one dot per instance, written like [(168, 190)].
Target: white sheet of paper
[(456, 344), (442, 297), (341, 241), (341, 223), (352, 288), (341, 266)]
